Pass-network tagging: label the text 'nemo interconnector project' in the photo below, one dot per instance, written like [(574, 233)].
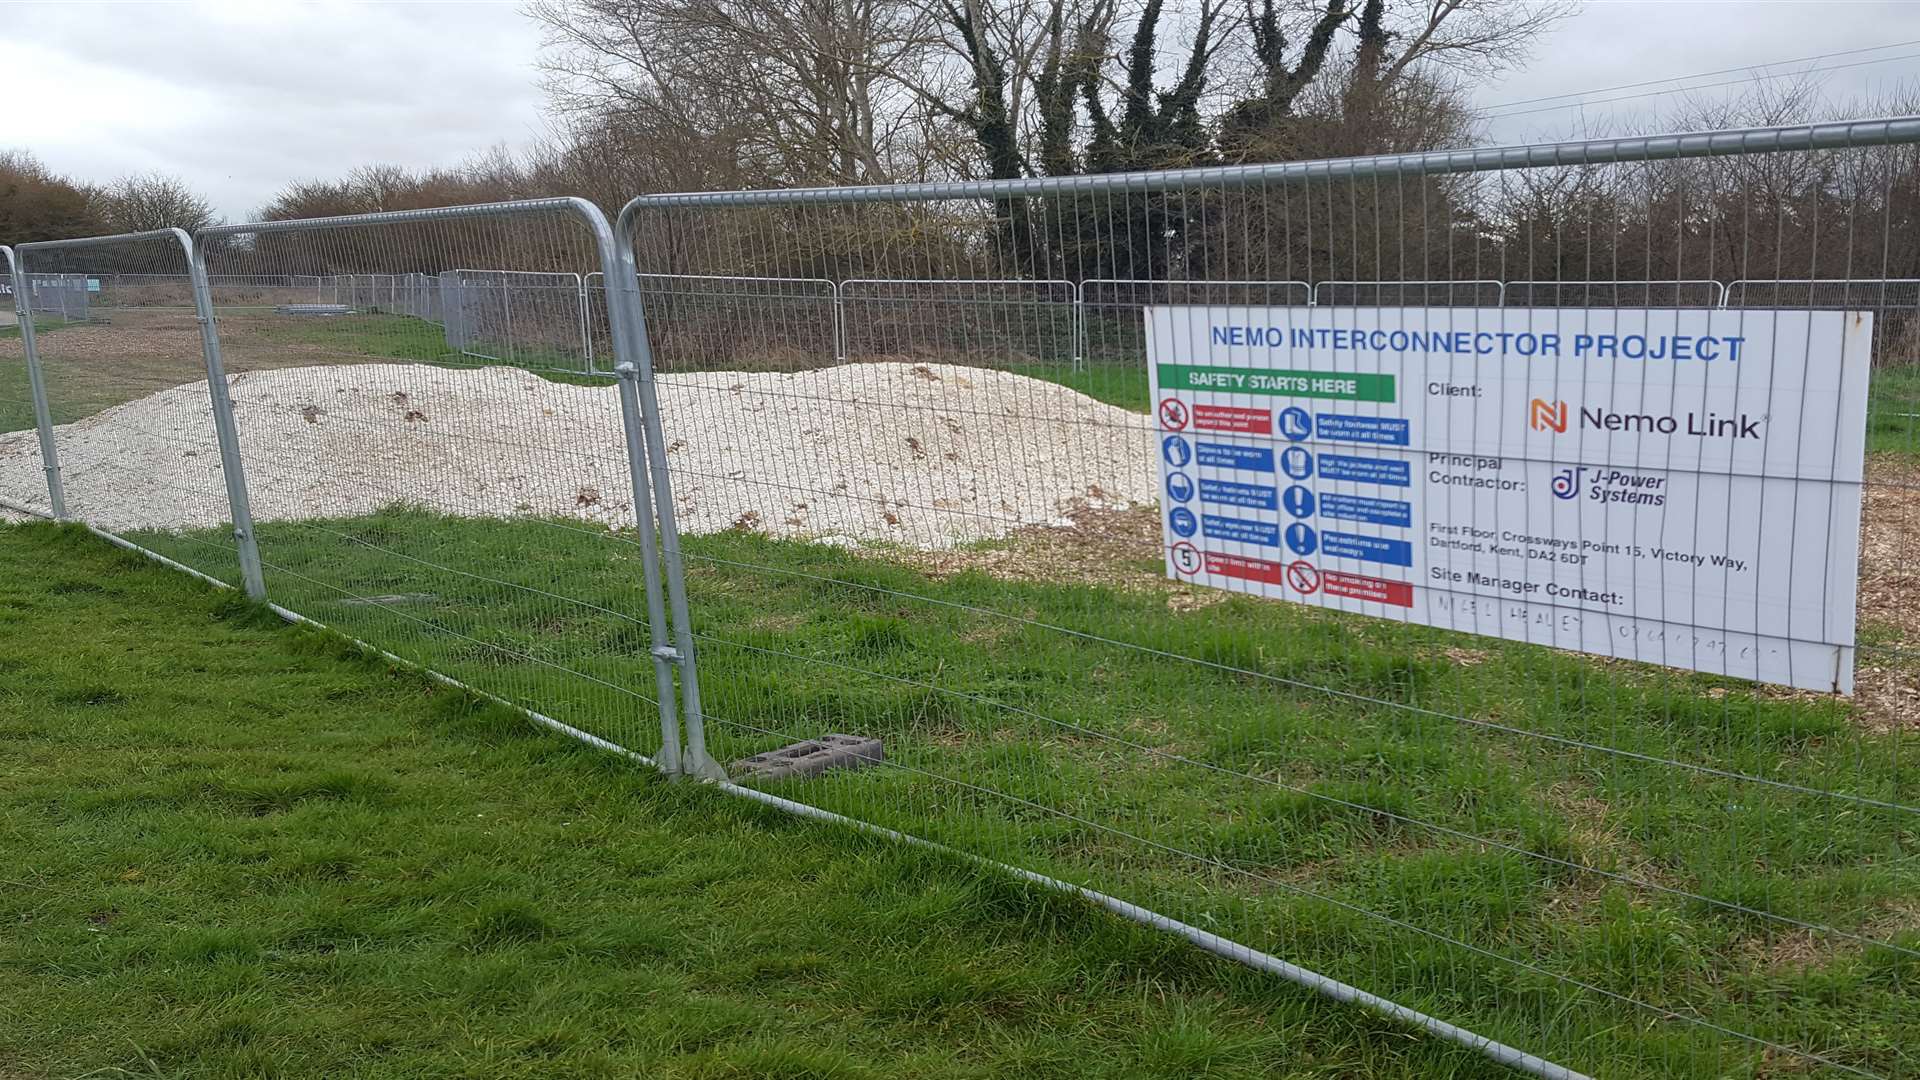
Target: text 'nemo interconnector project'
[(1676, 347)]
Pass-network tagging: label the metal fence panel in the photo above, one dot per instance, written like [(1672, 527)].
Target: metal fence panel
[(1011, 321), (1894, 302), (492, 523), (1399, 293), (59, 298), (137, 405), (1111, 330), (527, 318), (709, 322), (23, 400), (1623, 868), (1652, 294)]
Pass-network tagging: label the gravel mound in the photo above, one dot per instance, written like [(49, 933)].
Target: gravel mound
[(927, 455)]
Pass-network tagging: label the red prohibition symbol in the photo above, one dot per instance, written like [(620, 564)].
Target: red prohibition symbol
[(1173, 414), (1186, 558), (1303, 577)]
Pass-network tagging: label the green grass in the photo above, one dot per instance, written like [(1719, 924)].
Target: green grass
[(42, 324), (1112, 380), (401, 337), (1202, 772), (1893, 411), (237, 849)]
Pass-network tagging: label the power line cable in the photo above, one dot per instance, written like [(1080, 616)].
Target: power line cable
[(1699, 86), (1703, 74)]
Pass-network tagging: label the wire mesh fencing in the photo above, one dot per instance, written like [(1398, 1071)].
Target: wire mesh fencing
[(1442, 293), (1893, 302), (61, 297), (1186, 626), (1003, 321), (1580, 294), (1112, 324), (131, 426), (471, 513), (743, 322), (22, 419), (527, 318)]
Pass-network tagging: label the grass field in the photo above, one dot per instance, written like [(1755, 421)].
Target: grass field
[(1199, 770), (236, 849)]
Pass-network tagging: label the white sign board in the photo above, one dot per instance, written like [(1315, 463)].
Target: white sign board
[(1680, 487)]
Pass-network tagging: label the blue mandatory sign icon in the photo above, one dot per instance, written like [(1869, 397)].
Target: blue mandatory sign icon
[(1297, 462), (1301, 539), (1298, 501), (1294, 423), (1179, 487), (1182, 521), (1176, 450)]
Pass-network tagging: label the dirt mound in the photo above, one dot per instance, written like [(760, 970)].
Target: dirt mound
[(925, 455)]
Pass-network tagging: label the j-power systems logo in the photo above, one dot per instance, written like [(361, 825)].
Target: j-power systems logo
[(1554, 416)]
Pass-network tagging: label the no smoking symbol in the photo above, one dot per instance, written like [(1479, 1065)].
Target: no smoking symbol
[(1173, 414), (1186, 558), (1303, 577)]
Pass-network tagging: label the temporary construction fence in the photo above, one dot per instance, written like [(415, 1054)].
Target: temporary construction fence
[(788, 318), (1111, 327), (936, 592), (80, 415), (528, 318), (23, 395), (1395, 293), (1894, 303), (745, 322), (57, 296), (1007, 321), (1652, 294), (1559, 855)]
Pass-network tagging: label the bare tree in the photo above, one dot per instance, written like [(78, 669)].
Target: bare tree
[(153, 201), (1392, 40), (795, 91)]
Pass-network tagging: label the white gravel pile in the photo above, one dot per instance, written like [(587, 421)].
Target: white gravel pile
[(928, 455)]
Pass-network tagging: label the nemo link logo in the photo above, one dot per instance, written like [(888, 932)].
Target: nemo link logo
[(1554, 416)]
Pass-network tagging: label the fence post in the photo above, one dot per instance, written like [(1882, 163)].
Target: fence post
[(839, 325), (506, 315), (37, 387), (586, 310), (1078, 323), (633, 424), (230, 466), (586, 340), (631, 346)]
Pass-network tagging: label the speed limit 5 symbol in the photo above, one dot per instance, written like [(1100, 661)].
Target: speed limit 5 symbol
[(1187, 558)]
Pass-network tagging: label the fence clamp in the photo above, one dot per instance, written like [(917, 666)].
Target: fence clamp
[(667, 652)]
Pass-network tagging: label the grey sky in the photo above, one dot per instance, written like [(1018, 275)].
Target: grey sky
[(241, 98)]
